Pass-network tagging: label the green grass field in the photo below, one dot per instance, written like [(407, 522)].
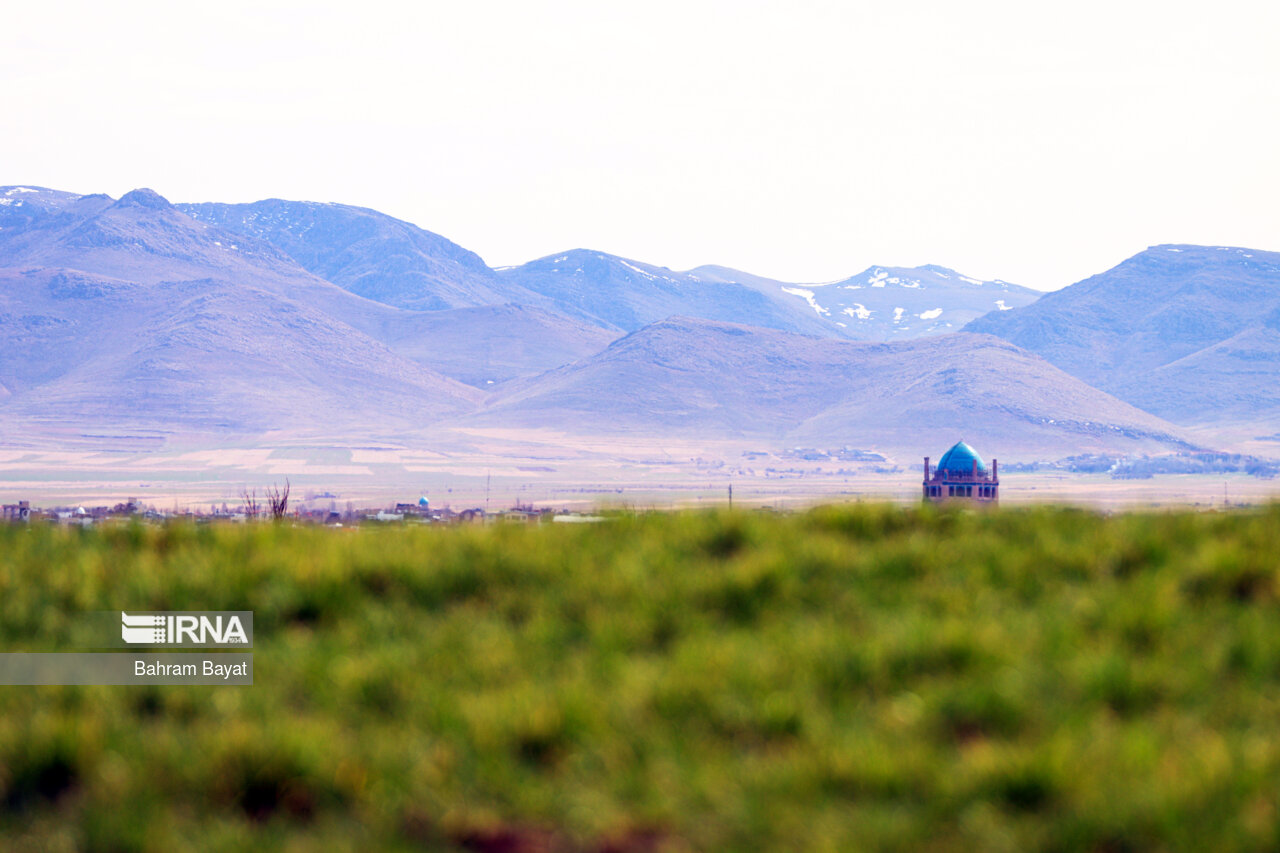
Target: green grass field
[(853, 678)]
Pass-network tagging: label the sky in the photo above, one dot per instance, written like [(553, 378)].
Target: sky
[(804, 141)]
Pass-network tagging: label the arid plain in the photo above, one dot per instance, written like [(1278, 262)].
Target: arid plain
[(497, 469)]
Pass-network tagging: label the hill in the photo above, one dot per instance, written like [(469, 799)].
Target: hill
[(686, 376), (368, 253), (130, 313), (490, 344), (1189, 333)]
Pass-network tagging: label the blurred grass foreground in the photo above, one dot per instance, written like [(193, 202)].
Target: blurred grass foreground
[(852, 678)]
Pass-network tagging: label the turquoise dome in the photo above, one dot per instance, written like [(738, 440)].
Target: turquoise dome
[(959, 460)]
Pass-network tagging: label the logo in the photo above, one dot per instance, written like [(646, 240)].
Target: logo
[(217, 629)]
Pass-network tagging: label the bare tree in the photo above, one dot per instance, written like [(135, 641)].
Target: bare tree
[(250, 499), (279, 499)]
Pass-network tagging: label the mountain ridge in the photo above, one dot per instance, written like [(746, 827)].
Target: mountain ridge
[(1155, 330), (368, 253), (399, 264), (625, 294), (781, 386), (129, 312)]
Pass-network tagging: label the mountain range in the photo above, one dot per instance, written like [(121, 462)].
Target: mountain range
[(384, 259), (240, 319)]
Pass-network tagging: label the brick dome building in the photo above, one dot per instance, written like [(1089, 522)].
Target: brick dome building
[(962, 475)]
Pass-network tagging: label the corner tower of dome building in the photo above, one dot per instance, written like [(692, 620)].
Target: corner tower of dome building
[(961, 475)]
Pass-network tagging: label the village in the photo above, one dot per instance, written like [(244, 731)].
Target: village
[(416, 512)]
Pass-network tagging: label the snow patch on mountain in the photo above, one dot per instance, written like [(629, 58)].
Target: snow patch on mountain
[(807, 296), (637, 269), (924, 295)]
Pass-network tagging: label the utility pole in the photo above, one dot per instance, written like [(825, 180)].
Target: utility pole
[(731, 496), (488, 478)]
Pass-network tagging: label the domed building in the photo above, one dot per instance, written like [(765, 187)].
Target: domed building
[(962, 475)]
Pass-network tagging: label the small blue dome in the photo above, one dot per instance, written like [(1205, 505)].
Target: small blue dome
[(960, 458)]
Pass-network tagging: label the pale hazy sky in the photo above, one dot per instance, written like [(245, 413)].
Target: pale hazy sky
[(1035, 142)]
